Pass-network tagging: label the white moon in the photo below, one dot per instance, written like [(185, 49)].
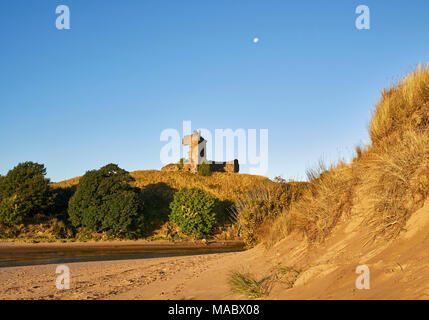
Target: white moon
[(255, 40)]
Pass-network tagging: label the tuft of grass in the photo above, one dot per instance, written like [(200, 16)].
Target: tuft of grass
[(245, 284), (286, 270), (287, 275)]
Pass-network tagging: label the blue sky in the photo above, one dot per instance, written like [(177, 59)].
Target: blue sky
[(103, 91)]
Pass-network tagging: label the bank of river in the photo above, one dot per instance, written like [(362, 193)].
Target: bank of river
[(26, 254)]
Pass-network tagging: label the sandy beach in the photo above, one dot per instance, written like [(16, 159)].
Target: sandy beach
[(157, 278), (151, 278)]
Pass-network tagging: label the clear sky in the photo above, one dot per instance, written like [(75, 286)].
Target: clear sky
[(104, 90)]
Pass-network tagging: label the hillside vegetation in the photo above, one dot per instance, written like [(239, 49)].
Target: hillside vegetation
[(110, 202), (245, 203), (225, 186)]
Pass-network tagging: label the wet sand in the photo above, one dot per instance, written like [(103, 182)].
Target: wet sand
[(22, 254)]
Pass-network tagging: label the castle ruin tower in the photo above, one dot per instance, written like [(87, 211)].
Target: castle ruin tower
[(197, 149), (198, 154)]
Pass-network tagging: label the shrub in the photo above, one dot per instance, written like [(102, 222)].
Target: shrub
[(105, 202), (204, 169), (25, 193), (10, 214), (19, 176), (193, 211)]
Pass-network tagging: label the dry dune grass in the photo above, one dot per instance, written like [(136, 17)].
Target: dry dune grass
[(327, 197), (396, 181), (392, 173), (255, 211), (402, 107)]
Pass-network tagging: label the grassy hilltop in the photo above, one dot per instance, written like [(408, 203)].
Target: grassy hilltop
[(225, 186)]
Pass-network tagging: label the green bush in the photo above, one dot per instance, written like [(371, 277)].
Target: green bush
[(25, 193), (193, 211), (105, 202), (204, 169), (10, 214)]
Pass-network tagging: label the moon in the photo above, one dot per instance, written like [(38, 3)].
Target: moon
[(255, 40)]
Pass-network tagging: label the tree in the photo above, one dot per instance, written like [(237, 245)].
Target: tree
[(19, 175), (104, 201), (2, 186), (62, 198), (193, 211), (9, 212), (24, 193)]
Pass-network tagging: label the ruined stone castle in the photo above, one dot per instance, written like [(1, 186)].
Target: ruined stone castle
[(197, 156)]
